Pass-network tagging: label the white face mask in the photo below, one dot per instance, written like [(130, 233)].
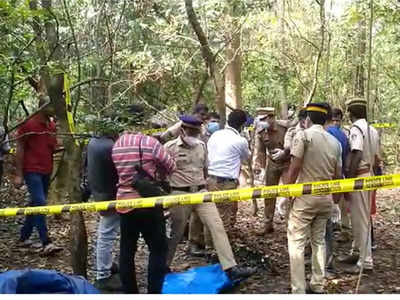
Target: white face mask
[(191, 141)]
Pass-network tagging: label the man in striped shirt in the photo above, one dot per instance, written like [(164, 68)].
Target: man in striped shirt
[(149, 222)]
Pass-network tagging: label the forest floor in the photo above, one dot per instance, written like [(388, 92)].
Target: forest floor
[(268, 254)]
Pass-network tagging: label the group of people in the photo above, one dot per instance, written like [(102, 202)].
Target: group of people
[(196, 155), (318, 149)]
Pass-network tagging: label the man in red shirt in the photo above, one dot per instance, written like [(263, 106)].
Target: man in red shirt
[(149, 222), (34, 163)]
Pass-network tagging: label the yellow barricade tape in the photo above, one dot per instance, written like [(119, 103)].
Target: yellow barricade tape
[(68, 105), (292, 190), (154, 130), (383, 125)]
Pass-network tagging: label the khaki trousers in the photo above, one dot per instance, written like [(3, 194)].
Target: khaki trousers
[(209, 215), (227, 211), (360, 205), (308, 218), (199, 233), (272, 175)]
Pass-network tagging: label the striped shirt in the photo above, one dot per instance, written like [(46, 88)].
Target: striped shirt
[(125, 155)]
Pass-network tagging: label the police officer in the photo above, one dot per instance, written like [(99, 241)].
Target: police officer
[(284, 204), (316, 156), (190, 154), (199, 235), (363, 157), (270, 155)]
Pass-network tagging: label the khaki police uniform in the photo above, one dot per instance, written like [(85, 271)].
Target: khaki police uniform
[(321, 154), (189, 178), (265, 141), (360, 202), (288, 144), (198, 233)]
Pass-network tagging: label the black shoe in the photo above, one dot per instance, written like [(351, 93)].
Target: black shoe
[(237, 272), (195, 250), (112, 283), (349, 259)]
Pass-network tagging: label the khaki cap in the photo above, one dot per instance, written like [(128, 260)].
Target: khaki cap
[(356, 101), (265, 110)]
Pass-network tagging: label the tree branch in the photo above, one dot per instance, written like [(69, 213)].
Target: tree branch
[(321, 49), (90, 80)]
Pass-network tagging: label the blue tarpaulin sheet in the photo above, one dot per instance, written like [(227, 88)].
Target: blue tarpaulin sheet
[(201, 280), (43, 282)]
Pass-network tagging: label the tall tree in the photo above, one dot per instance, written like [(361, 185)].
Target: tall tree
[(233, 71), (51, 54)]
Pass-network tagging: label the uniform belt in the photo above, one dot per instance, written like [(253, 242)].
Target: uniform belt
[(223, 179), (189, 189)]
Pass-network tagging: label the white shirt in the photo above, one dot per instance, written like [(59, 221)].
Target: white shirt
[(226, 150), (369, 145)]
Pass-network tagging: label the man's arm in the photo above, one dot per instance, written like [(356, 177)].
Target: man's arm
[(19, 162), (294, 170), (297, 161), (259, 155), (353, 161), (338, 173), (163, 158), (171, 133)]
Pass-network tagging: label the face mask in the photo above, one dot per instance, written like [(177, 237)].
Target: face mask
[(191, 141), (212, 127)]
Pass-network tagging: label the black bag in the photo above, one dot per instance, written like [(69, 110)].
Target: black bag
[(144, 184)]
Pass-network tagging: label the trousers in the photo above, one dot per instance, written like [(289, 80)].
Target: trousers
[(273, 174), (360, 204), (107, 232), (149, 222), (308, 218), (38, 187), (199, 233), (227, 211), (209, 215)]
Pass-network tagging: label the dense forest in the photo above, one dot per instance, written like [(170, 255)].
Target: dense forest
[(91, 58)]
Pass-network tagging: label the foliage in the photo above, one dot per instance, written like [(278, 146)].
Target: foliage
[(144, 51)]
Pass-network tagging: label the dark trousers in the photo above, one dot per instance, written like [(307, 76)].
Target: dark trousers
[(150, 223), (329, 244), (38, 186)]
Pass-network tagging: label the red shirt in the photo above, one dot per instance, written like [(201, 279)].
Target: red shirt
[(125, 155), (38, 147)]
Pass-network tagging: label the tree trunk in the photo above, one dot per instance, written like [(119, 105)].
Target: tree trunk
[(209, 59), (283, 76), (320, 51), (359, 85), (233, 71), (50, 49)]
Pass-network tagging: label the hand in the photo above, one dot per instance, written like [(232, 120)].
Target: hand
[(18, 182), (277, 154), (337, 197)]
